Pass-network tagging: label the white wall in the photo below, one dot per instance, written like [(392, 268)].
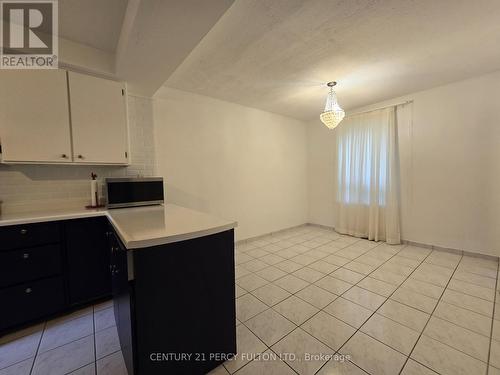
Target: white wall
[(233, 161), (450, 167)]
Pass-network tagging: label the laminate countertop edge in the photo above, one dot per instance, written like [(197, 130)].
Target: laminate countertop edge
[(138, 227)]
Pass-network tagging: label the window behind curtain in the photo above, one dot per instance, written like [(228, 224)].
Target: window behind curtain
[(362, 163)]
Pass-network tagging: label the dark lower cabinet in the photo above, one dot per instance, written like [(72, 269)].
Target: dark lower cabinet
[(88, 259), (175, 305), (49, 268), (31, 300)]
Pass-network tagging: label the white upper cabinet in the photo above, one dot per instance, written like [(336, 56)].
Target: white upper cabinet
[(34, 116), (98, 120)]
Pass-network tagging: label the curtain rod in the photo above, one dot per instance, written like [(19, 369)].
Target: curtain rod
[(386, 106)]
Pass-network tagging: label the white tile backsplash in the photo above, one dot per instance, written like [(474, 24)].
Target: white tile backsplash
[(40, 187)]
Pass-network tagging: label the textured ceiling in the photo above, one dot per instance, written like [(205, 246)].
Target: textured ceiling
[(95, 23), (276, 54)]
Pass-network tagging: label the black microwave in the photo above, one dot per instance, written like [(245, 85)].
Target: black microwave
[(133, 192)]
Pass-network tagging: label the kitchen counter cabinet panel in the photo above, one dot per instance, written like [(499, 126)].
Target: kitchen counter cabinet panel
[(181, 300), (88, 259)]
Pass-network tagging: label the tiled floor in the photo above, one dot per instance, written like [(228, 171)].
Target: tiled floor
[(309, 294), (393, 309), (82, 343)]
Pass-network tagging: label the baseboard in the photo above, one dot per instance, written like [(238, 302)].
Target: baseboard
[(430, 246), (249, 239)]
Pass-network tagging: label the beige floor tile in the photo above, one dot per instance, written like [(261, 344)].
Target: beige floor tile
[(373, 356), (391, 333), (462, 339), (388, 277), (359, 267), (347, 275), (414, 252), (323, 266), (270, 327), (377, 286), (349, 312), (333, 285), (291, 283), (271, 294), (268, 364), (248, 306), (364, 298), (19, 348), (19, 368), (254, 265), (240, 271), (472, 290), (429, 290), (57, 334), (336, 260), (89, 369), (66, 358), (432, 274), (495, 353), (303, 259), (415, 368), (444, 259), (272, 259), (239, 291), (287, 253), (295, 309), (103, 305), (370, 260), (405, 261), (288, 266), (329, 330), (106, 342), (302, 344), (415, 300), (475, 279), (478, 305), (444, 359), (337, 367), (308, 274), (478, 270), (251, 282), (104, 319), (407, 316), (112, 365), (464, 318), (396, 268), (316, 296), (493, 370), (257, 253), (247, 344)]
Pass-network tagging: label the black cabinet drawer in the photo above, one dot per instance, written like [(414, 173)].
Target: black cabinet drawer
[(29, 301), (18, 266), (21, 236)]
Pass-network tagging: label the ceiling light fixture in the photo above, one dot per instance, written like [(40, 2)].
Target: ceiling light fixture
[(333, 114)]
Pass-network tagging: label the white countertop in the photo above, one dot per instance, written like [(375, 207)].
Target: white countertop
[(138, 227)]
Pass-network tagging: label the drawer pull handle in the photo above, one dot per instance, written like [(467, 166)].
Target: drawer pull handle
[(28, 290), (24, 231), (26, 256)]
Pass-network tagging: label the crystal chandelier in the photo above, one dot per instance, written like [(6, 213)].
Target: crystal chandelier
[(332, 114)]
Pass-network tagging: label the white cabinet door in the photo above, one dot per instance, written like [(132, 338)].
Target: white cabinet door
[(98, 120), (34, 116)]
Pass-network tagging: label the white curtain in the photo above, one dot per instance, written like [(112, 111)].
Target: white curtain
[(367, 203)]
